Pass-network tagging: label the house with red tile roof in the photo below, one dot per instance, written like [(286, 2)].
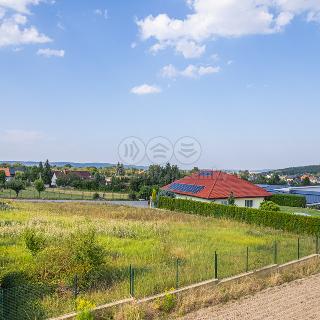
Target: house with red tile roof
[(217, 186), (83, 175), (9, 172)]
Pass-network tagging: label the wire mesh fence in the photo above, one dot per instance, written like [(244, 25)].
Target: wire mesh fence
[(63, 194), (41, 301)]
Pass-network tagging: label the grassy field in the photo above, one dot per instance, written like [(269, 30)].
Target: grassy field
[(61, 194), (311, 212), (150, 240)]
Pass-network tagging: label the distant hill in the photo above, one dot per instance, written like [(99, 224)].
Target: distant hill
[(74, 164), (312, 169)]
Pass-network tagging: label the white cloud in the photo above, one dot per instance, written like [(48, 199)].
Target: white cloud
[(21, 136), (13, 31), (102, 13), (48, 53), (190, 71), (145, 89), (211, 19), (230, 62), (18, 5), (14, 28)]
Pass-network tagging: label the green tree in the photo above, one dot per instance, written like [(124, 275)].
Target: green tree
[(39, 185), (2, 178), (47, 173), (245, 175), (16, 185), (34, 241), (306, 181), (231, 199)]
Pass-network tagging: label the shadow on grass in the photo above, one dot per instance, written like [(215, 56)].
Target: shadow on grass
[(20, 299)]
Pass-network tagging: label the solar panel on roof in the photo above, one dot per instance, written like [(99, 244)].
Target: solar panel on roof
[(205, 173), (186, 188)]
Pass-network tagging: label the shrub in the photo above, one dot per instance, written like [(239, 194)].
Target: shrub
[(277, 220), (84, 309), (34, 241), (86, 255), (289, 200), (269, 206), (96, 196), (132, 196), (168, 303)]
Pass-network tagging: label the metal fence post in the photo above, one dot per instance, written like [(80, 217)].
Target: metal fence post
[(247, 260), (298, 248), (275, 253), (131, 271), (75, 287), (130, 279), (177, 274), (215, 265)]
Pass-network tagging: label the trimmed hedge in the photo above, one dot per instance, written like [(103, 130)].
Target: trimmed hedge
[(277, 220), (289, 200)]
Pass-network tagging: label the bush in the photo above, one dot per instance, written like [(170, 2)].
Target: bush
[(269, 206), (84, 309), (289, 200), (132, 196), (277, 220), (168, 303), (96, 196), (86, 256), (34, 241)]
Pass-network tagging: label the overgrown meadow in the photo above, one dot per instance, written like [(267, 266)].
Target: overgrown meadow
[(47, 248)]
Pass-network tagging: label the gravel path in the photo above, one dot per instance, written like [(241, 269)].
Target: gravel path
[(292, 301)]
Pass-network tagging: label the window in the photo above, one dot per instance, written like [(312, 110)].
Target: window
[(249, 203), (225, 202)]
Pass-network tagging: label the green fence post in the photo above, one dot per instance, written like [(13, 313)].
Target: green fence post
[(75, 287), (247, 260), (298, 248), (177, 274), (130, 276), (215, 265), (275, 253), (317, 245)]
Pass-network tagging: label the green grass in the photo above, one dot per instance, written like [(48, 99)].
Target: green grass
[(148, 239), (61, 194), (312, 212)]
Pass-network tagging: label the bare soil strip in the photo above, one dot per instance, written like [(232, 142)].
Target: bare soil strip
[(297, 300)]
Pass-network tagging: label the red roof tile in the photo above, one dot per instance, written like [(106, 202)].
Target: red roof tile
[(219, 185), (6, 171)]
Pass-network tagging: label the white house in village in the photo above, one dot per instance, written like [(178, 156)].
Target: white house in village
[(217, 186)]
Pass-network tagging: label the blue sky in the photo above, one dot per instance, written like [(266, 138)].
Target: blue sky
[(242, 77)]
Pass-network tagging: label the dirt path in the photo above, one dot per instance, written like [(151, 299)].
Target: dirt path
[(293, 301)]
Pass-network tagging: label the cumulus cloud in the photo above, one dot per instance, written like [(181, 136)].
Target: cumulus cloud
[(211, 19), (48, 53), (14, 27), (21, 6), (190, 71), (145, 89), (13, 31)]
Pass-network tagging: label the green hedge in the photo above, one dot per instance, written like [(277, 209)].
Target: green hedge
[(289, 200), (277, 220)]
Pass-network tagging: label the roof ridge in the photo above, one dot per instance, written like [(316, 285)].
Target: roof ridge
[(220, 172)]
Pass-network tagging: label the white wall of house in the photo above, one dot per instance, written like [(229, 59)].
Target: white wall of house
[(54, 180), (240, 202)]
